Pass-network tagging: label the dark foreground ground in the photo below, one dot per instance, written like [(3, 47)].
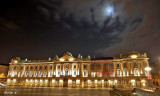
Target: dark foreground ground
[(57, 91)]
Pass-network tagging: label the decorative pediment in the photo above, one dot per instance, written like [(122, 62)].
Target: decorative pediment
[(67, 57)]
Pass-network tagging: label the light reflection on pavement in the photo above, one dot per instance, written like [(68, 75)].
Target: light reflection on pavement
[(52, 91)]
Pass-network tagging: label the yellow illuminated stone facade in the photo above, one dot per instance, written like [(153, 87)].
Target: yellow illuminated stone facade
[(125, 70), (3, 73)]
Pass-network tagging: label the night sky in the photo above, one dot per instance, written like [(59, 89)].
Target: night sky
[(39, 29)]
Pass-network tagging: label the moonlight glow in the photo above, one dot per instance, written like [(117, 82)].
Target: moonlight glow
[(109, 10)]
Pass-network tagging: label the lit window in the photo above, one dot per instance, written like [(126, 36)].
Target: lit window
[(135, 72), (118, 72), (39, 73), (21, 73), (99, 74), (85, 73), (35, 73), (50, 73), (112, 82), (13, 74), (30, 74), (66, 72), (74, 72), (44, 74), (26, 73), (59, 73), (93, 74), (21, 67)]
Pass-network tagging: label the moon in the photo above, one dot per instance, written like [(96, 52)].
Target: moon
[(109, 11)]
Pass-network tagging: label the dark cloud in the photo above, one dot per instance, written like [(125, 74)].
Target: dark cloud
[(49, 27), (145, 38)]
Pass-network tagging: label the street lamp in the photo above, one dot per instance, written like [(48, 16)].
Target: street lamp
[(148, 69)]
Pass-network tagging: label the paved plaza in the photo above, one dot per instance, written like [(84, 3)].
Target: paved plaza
[(56, 91)]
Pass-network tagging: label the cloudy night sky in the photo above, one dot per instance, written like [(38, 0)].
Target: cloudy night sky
[(38, 29)]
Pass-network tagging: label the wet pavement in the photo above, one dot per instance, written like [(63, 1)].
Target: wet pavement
[(53, 91)]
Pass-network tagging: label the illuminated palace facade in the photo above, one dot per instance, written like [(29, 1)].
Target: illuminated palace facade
[(125, 70)]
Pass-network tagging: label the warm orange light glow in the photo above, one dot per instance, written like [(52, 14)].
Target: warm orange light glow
[(71, 59), (134, 56), (61, 59), (15, 61)]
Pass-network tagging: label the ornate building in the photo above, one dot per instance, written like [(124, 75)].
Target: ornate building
[(3, 73), (125, 70)]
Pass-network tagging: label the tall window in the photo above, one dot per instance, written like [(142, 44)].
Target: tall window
[(74, 66), (58, 74), (85, 73), (125, 72), (85, 66), (66, 72), (35, 73), (21, 73), (26, 73), (118, 72), (74, 73), (50, 73), (39, 73), (21, 67), (135, 72), (13, 74), (30, 74), (44, 74)]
